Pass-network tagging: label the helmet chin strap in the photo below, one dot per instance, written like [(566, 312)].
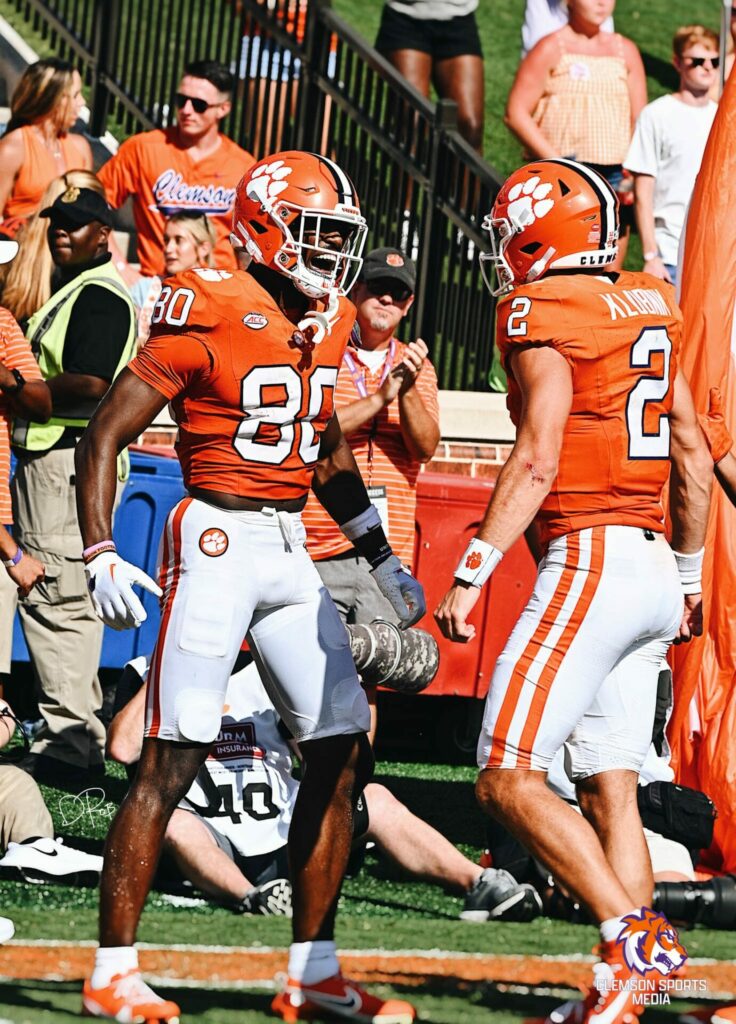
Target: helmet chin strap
[(540, 265)]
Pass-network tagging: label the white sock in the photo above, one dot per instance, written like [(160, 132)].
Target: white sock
[(112, 960), (310, 962), (611, 929)]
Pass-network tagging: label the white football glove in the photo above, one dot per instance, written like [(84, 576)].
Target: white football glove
[(400, 588), (110, 581)]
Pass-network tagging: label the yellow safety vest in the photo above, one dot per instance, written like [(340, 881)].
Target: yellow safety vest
[(47, 333)]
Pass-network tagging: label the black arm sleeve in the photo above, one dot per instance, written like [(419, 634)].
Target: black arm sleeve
[(98, 329)]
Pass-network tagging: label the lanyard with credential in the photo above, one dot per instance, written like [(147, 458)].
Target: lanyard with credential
[(359, 381)]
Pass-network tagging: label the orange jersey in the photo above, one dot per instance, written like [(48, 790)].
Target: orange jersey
[(622, 342), (163, 179), (250, 405)]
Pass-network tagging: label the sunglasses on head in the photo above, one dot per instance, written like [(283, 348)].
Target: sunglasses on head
[(387, 286), (198, 106), (700, 62)]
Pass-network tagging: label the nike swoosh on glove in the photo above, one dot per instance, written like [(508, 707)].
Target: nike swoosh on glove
[(400, 588), (110, 581)]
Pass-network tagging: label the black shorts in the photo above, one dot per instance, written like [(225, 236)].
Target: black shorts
[(268, 866), (442, 40)]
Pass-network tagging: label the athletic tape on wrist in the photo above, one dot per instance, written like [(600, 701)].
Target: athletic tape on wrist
[(690, 568), (478, 562), (362, 523)]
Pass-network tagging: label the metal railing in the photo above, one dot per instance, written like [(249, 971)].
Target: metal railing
[(306, 80)]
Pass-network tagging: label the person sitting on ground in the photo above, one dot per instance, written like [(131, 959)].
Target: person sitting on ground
[(28, 281), (37, 145), (189, 241), (31, 853), (228, 836)]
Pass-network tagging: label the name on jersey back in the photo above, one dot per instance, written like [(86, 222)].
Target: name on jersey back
[(627, 302)]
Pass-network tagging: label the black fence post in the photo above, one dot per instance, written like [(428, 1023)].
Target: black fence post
[(107, 18), (311, 99), (432, 250)]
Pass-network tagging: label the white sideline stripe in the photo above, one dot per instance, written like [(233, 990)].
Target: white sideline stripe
[(386, 954), (17, 42)]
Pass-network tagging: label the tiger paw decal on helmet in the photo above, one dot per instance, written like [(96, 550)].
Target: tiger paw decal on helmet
[(529, 201), (267, 181)]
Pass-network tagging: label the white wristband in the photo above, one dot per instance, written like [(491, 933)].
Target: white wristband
[(690, 568), (478, 562), (360, 524)]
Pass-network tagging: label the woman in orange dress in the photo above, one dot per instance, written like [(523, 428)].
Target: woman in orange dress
[(37, 146), (578, 93)]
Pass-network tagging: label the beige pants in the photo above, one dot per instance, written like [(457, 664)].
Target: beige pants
[(23, 814), (63, 634), (8, 604)]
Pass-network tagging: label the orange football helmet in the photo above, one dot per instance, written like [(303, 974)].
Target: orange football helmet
[(284, 206), (549, 215)]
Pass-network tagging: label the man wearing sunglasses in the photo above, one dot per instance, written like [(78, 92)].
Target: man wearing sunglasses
[(386, 400), (189, 167), (667, 147)]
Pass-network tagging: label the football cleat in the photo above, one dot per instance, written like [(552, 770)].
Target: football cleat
[(339, 998), (497, 894), (45, 859), (607, 1002), (270, 898), (129, 1000), (7, 929)]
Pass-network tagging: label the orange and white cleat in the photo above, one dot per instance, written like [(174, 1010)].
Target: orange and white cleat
[(128, 1000), (339, 998), (608, 1001)]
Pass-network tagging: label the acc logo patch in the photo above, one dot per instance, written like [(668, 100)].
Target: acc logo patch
[(256, 321), (474, 560), (395, 259), (650, 944), (213, 542)]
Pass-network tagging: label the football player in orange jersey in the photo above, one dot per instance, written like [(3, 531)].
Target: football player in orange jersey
[(248, 361), (604, 418)]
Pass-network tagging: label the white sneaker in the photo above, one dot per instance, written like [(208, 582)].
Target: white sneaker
[(41, 860), (7, 929)]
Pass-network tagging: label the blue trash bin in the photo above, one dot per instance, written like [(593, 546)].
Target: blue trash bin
[(154, 487)]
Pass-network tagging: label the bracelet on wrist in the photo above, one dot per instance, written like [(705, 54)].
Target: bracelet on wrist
[(10, 563), (690, 570), (96, 549), (478, 562), (652, 255)]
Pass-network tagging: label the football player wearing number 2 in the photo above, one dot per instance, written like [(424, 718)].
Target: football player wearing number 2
[(248, 361), (604, 418)]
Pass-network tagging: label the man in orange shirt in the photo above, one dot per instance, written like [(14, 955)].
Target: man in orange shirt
[(190, 166), (386, 398), (603, 417), (22, 391)]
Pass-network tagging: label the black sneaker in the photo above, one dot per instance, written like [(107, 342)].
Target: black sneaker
[(271, 898), (496, 894)]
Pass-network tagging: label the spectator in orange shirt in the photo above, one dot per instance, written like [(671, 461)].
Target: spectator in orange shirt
[(190, 167), (386, 401), (37, 145), (22, 391)]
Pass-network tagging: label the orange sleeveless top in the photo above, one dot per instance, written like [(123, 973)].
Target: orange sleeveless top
[(585, 111), (39, 167)]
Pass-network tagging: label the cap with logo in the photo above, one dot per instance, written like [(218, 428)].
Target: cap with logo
[(79, 206), (389, 264)]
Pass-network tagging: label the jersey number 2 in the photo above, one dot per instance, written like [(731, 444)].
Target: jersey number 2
[(643, 445), (284, 415)]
